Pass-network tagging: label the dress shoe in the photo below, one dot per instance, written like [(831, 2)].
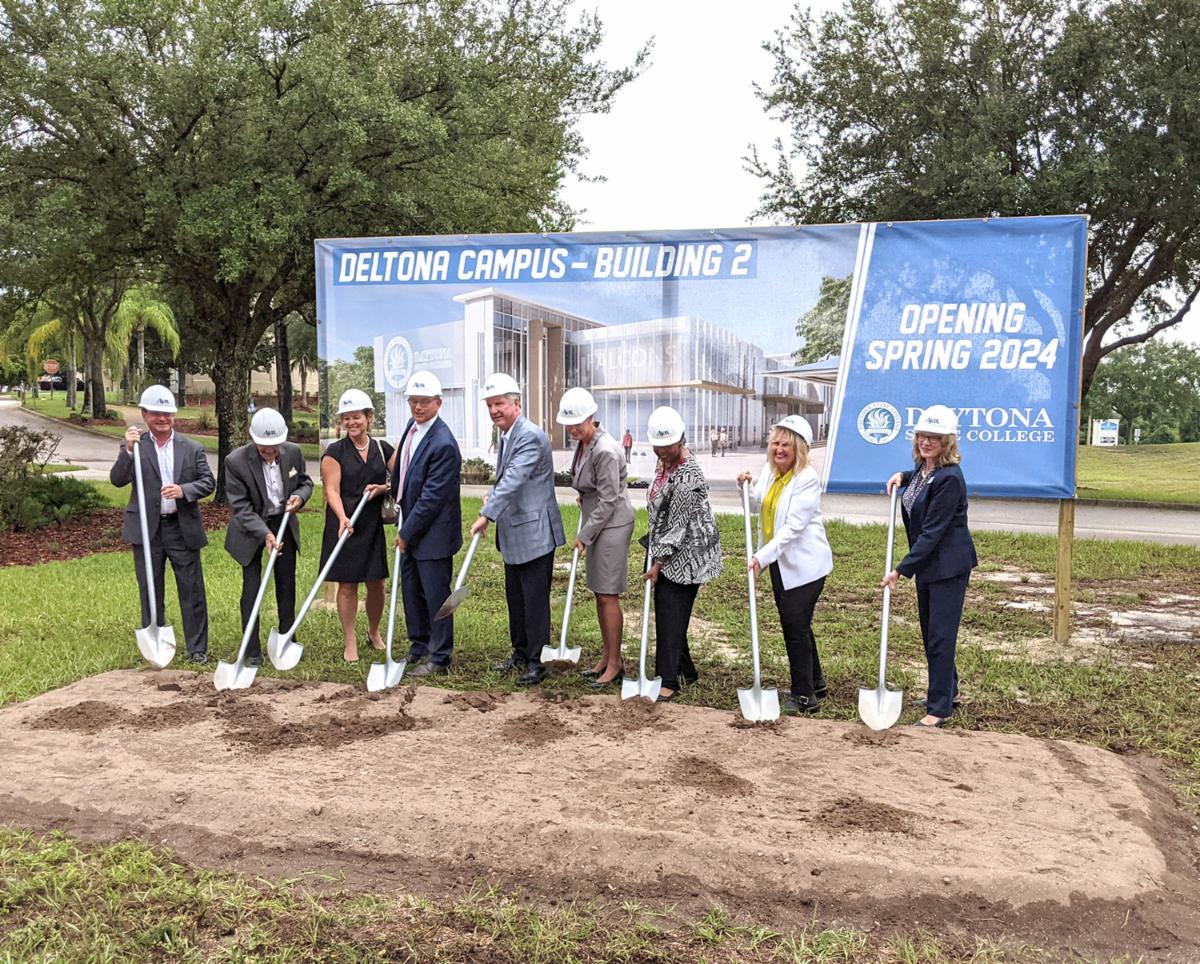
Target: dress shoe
[(429, 668), (792, 705), (820, 689), (597, 684), (254, 660), (200, 658), (533, 675), (513, 664)]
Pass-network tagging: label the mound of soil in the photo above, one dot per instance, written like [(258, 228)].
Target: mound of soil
[(98, 530), (1061, 845)]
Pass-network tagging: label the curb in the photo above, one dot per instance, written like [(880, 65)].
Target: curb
[(78, 428)]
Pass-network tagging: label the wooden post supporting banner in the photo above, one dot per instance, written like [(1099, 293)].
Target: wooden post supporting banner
[(1062, 571)]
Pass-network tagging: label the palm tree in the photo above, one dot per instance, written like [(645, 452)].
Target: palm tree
[(48, 334), (139, 310)]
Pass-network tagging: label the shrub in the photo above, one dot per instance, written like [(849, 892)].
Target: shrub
[(39, 500), (303, 432), (206, 421), (562, 478), (22, 450), (476, 472), (633, 482)]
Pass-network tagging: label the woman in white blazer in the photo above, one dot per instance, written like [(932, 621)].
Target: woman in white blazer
[(792, 545)]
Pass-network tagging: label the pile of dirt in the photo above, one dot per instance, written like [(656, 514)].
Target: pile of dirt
[(861, 736), (98, 530), (534, 729), (629, 716), (708, 776), (482, 700), (89, 716), (853, 814)]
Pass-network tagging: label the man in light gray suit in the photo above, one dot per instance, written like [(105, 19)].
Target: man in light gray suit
[(528, 526), (263, 479), (177, 476)]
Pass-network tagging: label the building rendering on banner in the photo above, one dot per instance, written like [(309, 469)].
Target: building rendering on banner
[(712, 377)]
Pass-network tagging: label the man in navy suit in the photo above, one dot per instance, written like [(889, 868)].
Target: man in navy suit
[(528, 526), (426, 473)]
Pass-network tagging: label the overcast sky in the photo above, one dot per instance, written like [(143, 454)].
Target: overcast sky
[(672, 148)]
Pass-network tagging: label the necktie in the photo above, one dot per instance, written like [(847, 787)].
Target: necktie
[(500, 458), (406, 457)]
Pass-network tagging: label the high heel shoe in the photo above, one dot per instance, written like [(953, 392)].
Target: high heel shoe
[(589, 673), (615, 681)]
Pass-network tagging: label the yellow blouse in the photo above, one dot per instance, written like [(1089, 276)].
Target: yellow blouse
[(771, 501)]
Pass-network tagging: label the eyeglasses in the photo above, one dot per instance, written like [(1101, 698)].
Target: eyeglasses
[(922, 437)]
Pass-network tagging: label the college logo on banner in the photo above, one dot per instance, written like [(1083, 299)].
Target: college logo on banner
[(985, 317), (397, 362), (879, 423)]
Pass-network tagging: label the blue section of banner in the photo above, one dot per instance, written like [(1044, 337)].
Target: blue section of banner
[(983, 316), (477, 261)]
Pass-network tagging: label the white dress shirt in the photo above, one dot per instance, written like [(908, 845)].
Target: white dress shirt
[(166, 471), (274, 479)]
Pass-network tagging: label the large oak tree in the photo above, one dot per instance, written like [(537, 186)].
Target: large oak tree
[(967, 108), (214, 140)]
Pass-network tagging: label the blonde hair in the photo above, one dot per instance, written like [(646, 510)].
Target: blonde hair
[(950, 454), (798, 443)]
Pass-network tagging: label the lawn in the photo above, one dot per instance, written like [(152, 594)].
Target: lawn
[(66, 901), (1141, 473)]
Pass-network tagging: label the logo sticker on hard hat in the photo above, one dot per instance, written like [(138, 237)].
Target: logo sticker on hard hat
[(397, 362), (879, 423)]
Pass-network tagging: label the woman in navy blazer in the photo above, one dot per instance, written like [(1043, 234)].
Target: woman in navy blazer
[(941, 553)]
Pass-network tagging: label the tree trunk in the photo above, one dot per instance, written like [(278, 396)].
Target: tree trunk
[(95, 376), (303, 385), (283, 371), (231, 378), (72, 400), (141, 359)]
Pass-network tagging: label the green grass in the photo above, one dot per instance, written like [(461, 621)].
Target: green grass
[(1141, 473), (64, 902)]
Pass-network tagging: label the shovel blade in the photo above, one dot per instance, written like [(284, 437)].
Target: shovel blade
[(552, 654), (383, 676), (284, 651), (453, 601), (647, 689), (880, 708), (759, 705), (156, 644), (233, 676)]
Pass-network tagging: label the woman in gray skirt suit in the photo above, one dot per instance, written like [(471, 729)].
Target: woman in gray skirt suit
[(598, 474)]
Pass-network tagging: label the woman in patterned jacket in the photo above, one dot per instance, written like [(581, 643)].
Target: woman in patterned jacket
[(684, 547)]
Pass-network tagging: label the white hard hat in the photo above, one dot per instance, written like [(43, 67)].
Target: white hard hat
[(268, 427), (665, 426), (938, 420), (355, 400), (423, 385), (798, 424), (500, 384), (158, 398), (575, 406)]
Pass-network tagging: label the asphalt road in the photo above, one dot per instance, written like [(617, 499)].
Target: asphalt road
[(1161, 525)]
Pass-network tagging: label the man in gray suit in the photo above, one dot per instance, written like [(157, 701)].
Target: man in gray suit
[(177, 477), (528, 526), (263, 479)]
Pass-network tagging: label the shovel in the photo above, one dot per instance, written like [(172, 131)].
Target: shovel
[(383, 676), (880, 708), (461, 590), (757, 703), (237, 675), (549, 653), (647, 689), (157, 643), (284, 651)]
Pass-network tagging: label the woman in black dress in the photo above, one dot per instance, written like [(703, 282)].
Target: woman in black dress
[(353, 468)]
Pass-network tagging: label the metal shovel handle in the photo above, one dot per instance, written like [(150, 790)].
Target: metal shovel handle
[(887, 590), (328, 565), (462, 570), (645, 622), (750, 581), (262, 587), (146, 555), (562, 638), (392, 605)]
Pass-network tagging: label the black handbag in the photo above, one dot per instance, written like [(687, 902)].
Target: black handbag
[(389, 511)]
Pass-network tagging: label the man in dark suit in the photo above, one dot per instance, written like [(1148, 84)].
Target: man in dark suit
[(263, 479), (528, 526), (426, 474), (177, 477)]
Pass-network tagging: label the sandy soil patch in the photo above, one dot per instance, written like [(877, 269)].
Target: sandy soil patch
[(959, 831)]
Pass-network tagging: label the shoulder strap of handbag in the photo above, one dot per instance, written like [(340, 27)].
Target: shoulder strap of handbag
[(387, 472)]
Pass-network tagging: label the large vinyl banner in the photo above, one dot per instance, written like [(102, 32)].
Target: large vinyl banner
[(983, 316), (707, 322)]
